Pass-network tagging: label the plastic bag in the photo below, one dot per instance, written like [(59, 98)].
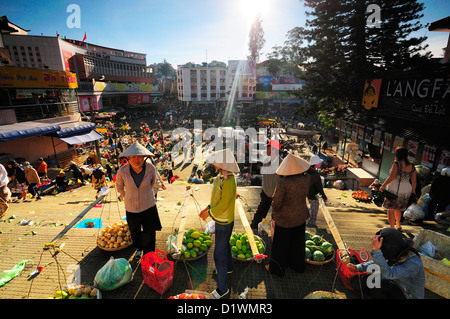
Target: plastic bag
[(414, 212), (114, 274), (172, 239), (210, 227), (428, 249), (8, 275)]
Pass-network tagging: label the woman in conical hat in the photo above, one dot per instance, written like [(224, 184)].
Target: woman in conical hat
[(134, 182), (221, 210), (290, 212)]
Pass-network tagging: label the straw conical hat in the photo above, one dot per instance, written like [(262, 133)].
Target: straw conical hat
[(136, 149), (225, 160), (292, 165)]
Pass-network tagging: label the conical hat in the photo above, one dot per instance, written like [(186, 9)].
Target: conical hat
[(225, 160), (136, 149), (292, 165)]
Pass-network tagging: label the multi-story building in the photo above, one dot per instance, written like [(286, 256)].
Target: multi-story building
[(39, 110), (241, 82), (106, 76), (203, 84)]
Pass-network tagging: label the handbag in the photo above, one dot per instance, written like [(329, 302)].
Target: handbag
[(388, 195)]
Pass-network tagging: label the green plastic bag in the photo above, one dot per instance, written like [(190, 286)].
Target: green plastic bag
[(114, 274), (8, 275)]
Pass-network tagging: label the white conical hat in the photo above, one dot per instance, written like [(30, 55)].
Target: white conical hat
[(136, 149), (292, 165), (225, 160)]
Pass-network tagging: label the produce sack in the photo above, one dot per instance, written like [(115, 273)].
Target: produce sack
[(114, 274)]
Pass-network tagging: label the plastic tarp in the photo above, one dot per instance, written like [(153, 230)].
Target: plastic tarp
[(26, 129), (68, 129), (82, 138)]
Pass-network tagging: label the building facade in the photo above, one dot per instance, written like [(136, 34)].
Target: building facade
[(198, 85), (106, 76)]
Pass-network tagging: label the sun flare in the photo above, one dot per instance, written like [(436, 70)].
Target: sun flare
[(251, 8)]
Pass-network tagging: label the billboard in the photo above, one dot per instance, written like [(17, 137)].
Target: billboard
[(12, 77)]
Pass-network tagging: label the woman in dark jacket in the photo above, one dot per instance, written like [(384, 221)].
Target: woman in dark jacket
[(290, 212)]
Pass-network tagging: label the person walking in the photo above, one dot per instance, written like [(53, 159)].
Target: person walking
[(222, 209), (290, 212), (315, 189), (134, 182), (401, 182), (401, 269), (33, 180)]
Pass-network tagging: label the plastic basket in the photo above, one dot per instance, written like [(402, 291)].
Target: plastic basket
[(344, 273), (157, 271)]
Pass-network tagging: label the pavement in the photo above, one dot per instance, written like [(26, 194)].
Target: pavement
[(355, 221)]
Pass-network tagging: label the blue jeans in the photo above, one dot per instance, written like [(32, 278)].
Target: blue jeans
[(222, 255)]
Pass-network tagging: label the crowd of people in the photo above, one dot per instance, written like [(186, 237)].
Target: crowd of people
[(140, 161)]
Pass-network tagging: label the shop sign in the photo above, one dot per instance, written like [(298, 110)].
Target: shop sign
[(428, 97), (13, 77)]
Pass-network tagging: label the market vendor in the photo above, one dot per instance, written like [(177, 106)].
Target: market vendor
[(400, 266), (290, 212), (134, 182), (222, 209)]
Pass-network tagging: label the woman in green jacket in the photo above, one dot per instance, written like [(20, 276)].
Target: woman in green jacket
[(221, 210)]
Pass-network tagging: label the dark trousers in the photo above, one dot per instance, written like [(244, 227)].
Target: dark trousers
[(222, 255), (288, 250), (32, 189), (143, 227), (262, 210), (387, 289)]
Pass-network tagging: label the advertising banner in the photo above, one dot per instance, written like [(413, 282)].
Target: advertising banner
[(12, 77)]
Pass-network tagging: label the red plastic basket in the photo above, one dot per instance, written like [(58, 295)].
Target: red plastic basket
[(344, 273), (157, 271)]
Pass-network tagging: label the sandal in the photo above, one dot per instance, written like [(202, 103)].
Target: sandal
[(217, 295)]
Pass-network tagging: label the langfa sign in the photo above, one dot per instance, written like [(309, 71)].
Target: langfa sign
[(437, 88)]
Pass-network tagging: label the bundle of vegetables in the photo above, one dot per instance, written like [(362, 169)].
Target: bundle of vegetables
[(77, 292), (115, 237), (240, 247), (195, 243), (361, 196), (317, 249)]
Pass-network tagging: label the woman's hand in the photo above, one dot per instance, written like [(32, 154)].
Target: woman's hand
[(204, 213), (163, 187), (377, 241)]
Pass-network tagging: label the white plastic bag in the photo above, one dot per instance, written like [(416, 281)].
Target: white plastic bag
[(428, 249), (210, 227), (114, 274), (414, 212)]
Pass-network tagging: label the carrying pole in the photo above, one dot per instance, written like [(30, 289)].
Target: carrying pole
[(184, 213), (248, 230)]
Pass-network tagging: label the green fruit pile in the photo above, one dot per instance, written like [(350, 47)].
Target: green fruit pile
[(195, 243), (317, 249), (240, 247)]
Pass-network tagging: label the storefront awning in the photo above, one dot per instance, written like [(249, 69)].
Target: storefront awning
[(82, 138), (75, 128), (16, 131)]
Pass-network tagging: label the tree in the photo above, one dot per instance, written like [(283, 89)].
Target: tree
[(256, 39), (340, 49), (166, 69)]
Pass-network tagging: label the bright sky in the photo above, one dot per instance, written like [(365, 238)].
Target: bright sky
[(181, 31)]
